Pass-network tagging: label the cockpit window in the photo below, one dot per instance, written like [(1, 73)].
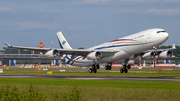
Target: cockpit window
[(160, 31)]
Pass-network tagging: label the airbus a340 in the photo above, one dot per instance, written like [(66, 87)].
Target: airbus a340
[(115, 51)]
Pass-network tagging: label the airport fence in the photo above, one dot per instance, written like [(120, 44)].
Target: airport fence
[(45, 66), (114, 65)]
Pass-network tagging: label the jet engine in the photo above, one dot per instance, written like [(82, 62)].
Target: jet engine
[(149, 55), (94, 55), (166, 54), (51, 53)]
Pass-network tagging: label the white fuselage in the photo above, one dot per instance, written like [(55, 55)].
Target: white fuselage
[(124, 47)]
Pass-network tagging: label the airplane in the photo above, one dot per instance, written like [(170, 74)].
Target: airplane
[(115, 51)]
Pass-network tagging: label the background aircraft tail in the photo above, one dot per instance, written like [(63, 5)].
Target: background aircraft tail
[(62, 41), (174, 46)]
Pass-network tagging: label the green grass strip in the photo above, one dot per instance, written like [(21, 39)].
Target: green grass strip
[(94, 83)]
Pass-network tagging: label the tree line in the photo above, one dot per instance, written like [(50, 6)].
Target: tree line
[(176, 52)]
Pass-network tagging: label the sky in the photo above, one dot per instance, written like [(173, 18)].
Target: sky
[(84, 23)]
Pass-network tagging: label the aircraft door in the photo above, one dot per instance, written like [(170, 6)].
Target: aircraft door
[(149, 35)]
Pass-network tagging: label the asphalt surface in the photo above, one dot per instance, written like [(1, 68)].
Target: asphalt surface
[(126, 78)]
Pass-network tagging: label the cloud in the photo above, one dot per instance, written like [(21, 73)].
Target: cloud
[(5, 9), (28, 25), (126, 11), (171, 1), (37, 25), (41, 10), (165, 12), (92, 2), (121, 2), (20, 10)]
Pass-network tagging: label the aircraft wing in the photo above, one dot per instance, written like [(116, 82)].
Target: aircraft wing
[(82, 52), (161, 50), (32, 58), (161, 53), (29, 48)]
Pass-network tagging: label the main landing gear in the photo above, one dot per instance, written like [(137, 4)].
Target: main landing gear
[(94, 68), (125, 68), (108, 66)]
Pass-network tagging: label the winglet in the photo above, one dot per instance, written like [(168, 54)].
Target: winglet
[(7, 44), (174, 46)]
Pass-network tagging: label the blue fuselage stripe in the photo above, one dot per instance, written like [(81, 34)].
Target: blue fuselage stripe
[(60, 44), (69, 60), (120, 45)]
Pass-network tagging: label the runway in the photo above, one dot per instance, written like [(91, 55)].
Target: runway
[(125, 78)]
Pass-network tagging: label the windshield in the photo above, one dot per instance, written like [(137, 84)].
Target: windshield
[(160, 31)]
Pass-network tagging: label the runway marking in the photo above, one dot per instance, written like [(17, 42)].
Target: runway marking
[(171, 79), (166, 69)]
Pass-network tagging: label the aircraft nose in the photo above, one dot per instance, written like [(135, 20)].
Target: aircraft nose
[(165, 36)]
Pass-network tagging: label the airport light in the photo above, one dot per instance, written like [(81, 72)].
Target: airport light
[(41, 45)]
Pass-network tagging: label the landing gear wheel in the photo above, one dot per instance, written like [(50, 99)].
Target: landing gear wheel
[(121, 70), (90, 70), (106, 67), (95, 70), (129, 66), (93, 67), (125, 70), (97, 66)]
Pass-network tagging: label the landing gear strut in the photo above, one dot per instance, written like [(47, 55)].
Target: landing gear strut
[(94, 68), (125, 68)]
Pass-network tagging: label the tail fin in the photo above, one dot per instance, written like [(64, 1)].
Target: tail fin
[(62, 41), (174, 46)]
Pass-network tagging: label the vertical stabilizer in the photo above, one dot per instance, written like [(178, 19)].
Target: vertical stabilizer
[(62, 41), (174, 46)]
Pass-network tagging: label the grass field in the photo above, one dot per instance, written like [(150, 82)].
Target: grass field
[(145, 72), (102, 90), (99, 90)]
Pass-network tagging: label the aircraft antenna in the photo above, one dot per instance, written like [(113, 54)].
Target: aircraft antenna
[(52, 42), (104, 40)]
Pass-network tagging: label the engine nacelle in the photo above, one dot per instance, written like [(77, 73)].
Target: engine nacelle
[(166, 54), (51, 53), (149, 55), (94, 55)]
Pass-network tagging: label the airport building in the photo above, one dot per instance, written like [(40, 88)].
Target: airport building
[(10, 56)]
